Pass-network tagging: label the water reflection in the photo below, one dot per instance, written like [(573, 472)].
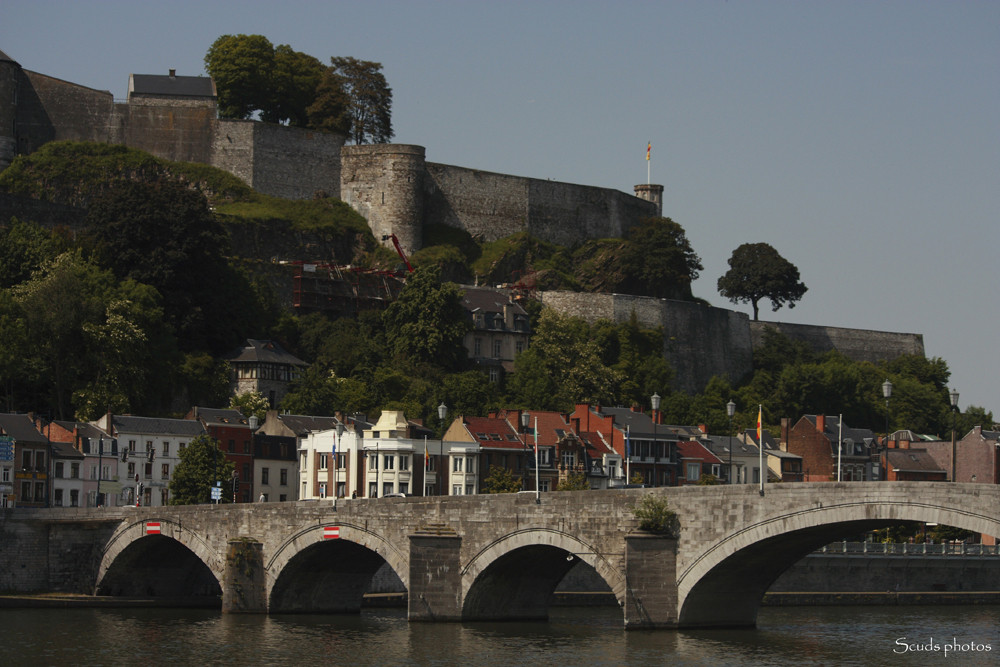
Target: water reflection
[(589, 637)]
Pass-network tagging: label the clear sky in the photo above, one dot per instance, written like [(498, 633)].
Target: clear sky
[(860, 139)]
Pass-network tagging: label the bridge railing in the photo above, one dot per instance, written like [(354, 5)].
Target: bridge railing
[(907, 549)]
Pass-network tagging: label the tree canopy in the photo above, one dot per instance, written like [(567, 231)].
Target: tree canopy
[(370, 99), (758, 272), (659, 260), (201, 465)]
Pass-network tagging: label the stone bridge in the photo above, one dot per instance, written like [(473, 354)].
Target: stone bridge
[(486, 557)]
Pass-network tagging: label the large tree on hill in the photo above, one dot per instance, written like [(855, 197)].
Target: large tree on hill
[(659, 261), (757, 271), (241, 66), (370, 99), (164, 235)]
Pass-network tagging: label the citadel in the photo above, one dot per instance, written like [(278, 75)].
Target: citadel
[(399, 193)]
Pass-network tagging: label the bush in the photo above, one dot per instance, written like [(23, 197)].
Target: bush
[(655, 516)]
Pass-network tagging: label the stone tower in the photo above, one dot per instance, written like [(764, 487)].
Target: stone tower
[(9, 74), (384, 183), (651, 193)]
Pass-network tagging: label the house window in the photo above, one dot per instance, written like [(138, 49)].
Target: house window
[(74, 470), (404, 487), (568, 458), (430, 464), (496, 349), (246, 446), (341, 461), (470, 490), (519, 346), (59, 469), (477, 347), (494, 375), (39, 491), (612, 469), (386, 488), (40, 460), (456, 489), (165, 471), (131, 469), (264, 475), (164, 496), (232, 446), (756, 475), (166, 448), (26, 459), (373, 489), (181, 446), (341, 489), (456, 466), (693, 472), (131, 445), (74, 498), (373, 462), (26, 492), (246, 472), (57, 500), (543, 485), (322, 489), (147, 470), (404, 461), (282, 498), (322, 461), (545, 456), (284, 477), (390, 462), (470, 464)]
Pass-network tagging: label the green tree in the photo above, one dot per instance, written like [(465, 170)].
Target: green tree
[(370, 99), (659, 261), (293, 87), (164, 235), (15, 353), (576, 481), (201, 465), (23, 248), (427, 322), (501, 480), (251, 403), (330, 110), (757, 271), (241, 67), (562, 366)]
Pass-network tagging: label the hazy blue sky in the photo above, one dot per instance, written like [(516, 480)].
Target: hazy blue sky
[(860, 139)]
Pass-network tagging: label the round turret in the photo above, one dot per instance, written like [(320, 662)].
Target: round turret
[(651, 193), (384, 183)]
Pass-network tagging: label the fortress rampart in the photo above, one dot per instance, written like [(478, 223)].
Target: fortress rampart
[(702, 341), (399, 192)]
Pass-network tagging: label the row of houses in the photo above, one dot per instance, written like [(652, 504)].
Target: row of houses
[(124, 459)]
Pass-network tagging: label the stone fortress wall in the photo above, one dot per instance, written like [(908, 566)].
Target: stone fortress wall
[(399, 192)]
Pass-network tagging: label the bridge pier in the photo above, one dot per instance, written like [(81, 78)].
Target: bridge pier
[(243, 589), (435, 592), (650, 581)]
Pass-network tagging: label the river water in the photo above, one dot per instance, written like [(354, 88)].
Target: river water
[(587, 637)]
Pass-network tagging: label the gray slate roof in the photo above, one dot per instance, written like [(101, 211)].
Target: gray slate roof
[(220, 416), (160, 85), (21, 428), (157, 426), (267, 351)]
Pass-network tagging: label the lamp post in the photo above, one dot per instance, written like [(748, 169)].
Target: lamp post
[(730, 411), (100, 465), (887, 393), (442, 415), (336, 443), (525, 420), (953, 396), (655, 402)]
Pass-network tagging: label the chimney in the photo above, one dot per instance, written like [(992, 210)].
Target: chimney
[(821, 423), (786, 430), (173, 74), (703, 428)]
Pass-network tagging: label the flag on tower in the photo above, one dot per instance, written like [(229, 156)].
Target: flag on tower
[(649, 149)]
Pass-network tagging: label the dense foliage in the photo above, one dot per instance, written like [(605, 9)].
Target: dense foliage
[(200, 467), (252, 76)]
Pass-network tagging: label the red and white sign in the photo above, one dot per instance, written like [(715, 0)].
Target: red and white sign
[(152, 527), (331, 532)]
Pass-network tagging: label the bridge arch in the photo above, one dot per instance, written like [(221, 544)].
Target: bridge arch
[(316, 572), (154, 555), (739, 568), (514, 576)]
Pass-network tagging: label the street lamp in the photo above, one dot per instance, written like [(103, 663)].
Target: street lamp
[(954, 417), (100, 466), (336, 443), (442, 415), (525, 420), (887, 393), (655, 401), (730, 411)]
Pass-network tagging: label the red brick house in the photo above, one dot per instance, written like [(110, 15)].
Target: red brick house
[(696, 460), (815, 438)]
